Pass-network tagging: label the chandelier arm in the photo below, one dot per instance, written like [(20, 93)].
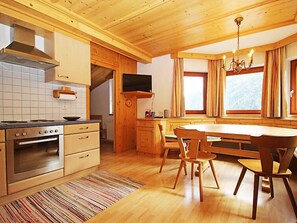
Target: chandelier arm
[(242, 63)]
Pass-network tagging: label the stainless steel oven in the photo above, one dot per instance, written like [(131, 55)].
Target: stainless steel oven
[(33, 151)]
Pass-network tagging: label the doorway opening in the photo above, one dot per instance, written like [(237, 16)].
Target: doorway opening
[(102, 102)]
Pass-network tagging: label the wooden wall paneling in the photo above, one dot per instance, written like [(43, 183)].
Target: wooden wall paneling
[(125, 113)]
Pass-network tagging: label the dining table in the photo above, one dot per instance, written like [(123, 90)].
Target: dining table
[(240, 133)]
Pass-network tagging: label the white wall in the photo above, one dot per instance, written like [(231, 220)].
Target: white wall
[(100, 106), (161, 70)]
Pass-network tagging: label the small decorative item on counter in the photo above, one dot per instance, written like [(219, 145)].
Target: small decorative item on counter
[(148, 113), (166, 113), (152, 114)]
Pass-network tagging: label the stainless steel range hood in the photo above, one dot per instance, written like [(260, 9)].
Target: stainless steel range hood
[(22, 50)]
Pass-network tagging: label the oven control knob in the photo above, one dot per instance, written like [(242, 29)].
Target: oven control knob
[(24, 133), (40, 132), (17, 134), (56, 130), (51, 131), (45, 131)]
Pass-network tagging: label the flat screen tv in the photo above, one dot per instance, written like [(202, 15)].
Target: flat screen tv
[(137, 82)]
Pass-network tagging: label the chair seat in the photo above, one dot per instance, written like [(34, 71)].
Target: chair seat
[(255, 166)]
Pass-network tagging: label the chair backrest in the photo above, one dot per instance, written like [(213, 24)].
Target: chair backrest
[(190, 142), (268, 145), (162, 134)]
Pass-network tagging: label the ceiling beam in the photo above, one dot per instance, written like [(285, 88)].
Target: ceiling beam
[(51, 17), (286, 41)]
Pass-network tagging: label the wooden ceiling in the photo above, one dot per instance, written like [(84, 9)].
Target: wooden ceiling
[(143, 29), (167, 26)]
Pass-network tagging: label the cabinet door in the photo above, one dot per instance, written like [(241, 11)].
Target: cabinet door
[(2, 170), (145, 140), (74, 58)]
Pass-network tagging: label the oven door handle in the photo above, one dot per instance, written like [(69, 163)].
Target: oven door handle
[(37, 141)]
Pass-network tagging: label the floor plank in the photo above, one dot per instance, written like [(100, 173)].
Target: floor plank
[(156, 201)]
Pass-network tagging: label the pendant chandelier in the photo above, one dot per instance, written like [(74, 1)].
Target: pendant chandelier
[(236, 64)]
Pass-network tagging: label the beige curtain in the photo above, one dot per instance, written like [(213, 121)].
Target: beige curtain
[(274, 104), (216, 83), (178, 99)]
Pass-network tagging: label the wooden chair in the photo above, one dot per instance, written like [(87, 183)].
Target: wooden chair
[(267, 167), (191, 143), (167, 146)]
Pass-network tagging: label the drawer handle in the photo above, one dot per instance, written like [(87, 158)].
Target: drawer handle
[(64, 76), (84, 137), (81, 128), (81, 157)]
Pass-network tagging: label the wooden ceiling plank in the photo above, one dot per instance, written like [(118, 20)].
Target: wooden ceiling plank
[(206, 22), (127, 17)]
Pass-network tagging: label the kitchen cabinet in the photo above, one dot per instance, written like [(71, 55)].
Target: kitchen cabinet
[(3, 188), (148, 139), (81, 147), (74, 58)]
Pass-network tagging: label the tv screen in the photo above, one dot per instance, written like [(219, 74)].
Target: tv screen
[(137, 82)]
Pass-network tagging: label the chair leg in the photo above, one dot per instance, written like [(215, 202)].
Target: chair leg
[(271, 187), (214, 173), (192, 170), (240, 180), (255, 198), (290, 193), (163, 160), (182, 163), (201, 181), (185, 168)]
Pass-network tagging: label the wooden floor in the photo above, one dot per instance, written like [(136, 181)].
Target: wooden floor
[(156, 201)]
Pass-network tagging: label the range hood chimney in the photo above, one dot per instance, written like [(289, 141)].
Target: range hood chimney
[(22, 50)]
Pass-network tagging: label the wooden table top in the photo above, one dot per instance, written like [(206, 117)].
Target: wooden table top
[(242, 130)]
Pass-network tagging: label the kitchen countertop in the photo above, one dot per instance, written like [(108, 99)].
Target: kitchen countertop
[(51, 123)]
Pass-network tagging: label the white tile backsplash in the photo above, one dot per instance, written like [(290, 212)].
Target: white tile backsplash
[(25, 96)]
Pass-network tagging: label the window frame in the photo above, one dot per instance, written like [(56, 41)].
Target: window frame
[(204, 76), (293, 87), (245, 71)]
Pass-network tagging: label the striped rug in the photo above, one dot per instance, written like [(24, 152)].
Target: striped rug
[(75, 201)]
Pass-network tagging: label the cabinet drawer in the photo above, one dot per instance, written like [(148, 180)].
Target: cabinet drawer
[(81, 142), (81, 161), (145, 123), (89, 127)]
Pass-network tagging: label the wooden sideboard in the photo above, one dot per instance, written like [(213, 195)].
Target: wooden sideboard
[(148, 135)]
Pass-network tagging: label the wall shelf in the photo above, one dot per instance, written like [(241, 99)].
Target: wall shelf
[(138, 94)]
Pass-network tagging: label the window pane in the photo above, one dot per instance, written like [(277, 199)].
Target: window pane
[(193, 90), (244, 91)]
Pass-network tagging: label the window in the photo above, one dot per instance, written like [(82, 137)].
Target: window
[(293, 103), (195, 92), (244, 91)]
